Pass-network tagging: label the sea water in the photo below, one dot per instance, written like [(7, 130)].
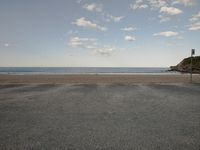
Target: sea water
[(84, 70)]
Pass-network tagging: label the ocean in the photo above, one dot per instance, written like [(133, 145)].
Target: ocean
[(83, 70)]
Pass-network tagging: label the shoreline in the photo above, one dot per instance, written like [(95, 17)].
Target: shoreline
[(66, 74), (98, 78)]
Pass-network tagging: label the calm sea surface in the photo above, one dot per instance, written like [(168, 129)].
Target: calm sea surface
[(82, 70)]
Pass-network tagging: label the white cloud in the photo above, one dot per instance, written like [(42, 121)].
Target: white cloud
[(139, 4), (152, 4), (91, 44), (170, 10), (98, 8), (6, 45), (93, 7), (166, 34), (82, 42), (164, 18), (195, 17), (144, 6), (194, 26), (136, 6), (114, 18), (196, 22), (128, 29), (105, 50), (82, 22), (185, 2), (78, 1), (156, 4), (129, 38)]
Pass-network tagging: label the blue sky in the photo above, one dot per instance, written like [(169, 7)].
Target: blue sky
[(98, 33)]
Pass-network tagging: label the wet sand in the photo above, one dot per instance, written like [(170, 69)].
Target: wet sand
[(93, 79), (100, 116)]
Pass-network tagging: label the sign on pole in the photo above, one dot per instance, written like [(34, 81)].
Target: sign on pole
[(192, 53)]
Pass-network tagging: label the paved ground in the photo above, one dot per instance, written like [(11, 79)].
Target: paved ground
[(112, 116)]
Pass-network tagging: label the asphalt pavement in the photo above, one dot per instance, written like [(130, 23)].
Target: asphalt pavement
[(100, 116)]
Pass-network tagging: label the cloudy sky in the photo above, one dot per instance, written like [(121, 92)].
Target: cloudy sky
[(98, 33)]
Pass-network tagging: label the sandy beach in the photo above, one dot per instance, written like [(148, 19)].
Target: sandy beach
[(124, 79)]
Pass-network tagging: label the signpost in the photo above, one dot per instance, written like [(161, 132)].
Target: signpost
[(192, 53)]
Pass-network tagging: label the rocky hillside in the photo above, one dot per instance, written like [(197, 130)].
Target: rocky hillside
[(184, 65)]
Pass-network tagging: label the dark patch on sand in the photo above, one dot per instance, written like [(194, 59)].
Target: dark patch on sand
[(83, 88), (37, 88), (6, 86), (176, 88)]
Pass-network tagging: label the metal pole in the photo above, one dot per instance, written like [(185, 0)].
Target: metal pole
[(191, 69)]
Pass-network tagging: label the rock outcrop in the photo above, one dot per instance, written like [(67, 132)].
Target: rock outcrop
[(185, 65)]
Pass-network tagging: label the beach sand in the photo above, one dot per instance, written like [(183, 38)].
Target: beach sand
[(126, 79)]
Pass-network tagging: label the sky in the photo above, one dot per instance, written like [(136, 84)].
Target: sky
[(98, 33)]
